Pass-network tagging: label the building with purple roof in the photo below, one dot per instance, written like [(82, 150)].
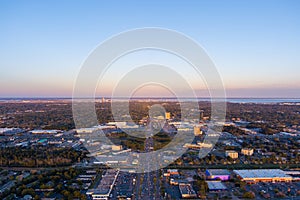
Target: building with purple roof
[(217, 174)]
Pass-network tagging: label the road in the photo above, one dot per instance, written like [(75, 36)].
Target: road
[(148, 183)]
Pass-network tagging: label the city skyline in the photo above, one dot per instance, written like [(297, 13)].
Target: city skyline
[(254, 45)]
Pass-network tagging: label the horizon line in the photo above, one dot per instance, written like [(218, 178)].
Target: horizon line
[(141, 97)]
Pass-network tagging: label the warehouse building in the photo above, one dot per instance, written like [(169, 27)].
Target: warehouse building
[(263, 175)]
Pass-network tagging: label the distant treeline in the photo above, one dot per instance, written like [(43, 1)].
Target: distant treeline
[(271, 118), (39, 156)]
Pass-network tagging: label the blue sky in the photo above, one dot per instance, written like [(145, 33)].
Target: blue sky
[(254, 44)]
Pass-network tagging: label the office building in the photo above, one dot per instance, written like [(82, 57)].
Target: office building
[(168, 115)]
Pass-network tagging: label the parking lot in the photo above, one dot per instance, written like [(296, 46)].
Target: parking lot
[(123, 186), (274, 190)]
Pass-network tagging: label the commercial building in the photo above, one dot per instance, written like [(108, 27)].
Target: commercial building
[(10, 131), (263, 175), (294, 174), (45, 131), (111, 160), (177, 181), (232, 154), (247, 151), (187, 191), (217, 174), (216, 186), (205, 145), (192, 146), (103, 190), (168, 115), (182, 126), (96, 128), (197, 130), (126, 125), (116, 147), (172, 172)]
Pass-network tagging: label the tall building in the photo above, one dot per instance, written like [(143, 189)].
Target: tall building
[(168, 115), (201, 114), (197, 130)]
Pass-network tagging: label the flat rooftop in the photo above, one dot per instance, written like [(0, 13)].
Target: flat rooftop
[(106, 184), (261, 173), (218, 172), (186, 189), (216, 185)]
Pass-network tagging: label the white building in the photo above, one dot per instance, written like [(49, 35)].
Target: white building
[(263, 175)]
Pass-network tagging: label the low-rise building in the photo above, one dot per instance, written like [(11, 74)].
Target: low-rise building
[(171, 172), (217, 174), (263, 175), (187, 191), (205, 145), (176, 181), (111, 160), (232, 154), (216, 186), (192, 146), (103, 190), (45, 131), (10, 131), (116, 147), (247, 151)]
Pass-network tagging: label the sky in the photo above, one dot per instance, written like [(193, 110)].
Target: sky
[(255, 45)]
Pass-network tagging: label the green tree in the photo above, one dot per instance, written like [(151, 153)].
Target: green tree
[(249, 195)]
